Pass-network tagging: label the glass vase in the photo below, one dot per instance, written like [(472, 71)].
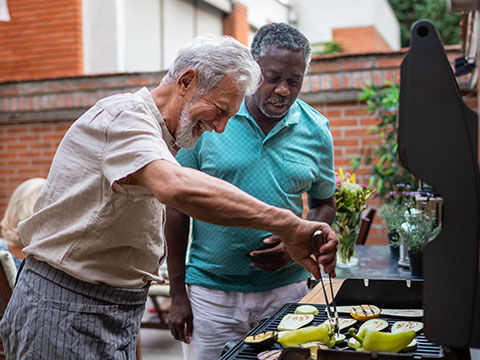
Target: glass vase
[(346, 226)]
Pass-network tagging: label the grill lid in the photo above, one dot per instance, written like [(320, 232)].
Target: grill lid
[(438, 142)]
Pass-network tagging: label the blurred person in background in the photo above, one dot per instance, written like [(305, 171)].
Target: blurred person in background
[(275, 148), (20, 207), (96, 239)]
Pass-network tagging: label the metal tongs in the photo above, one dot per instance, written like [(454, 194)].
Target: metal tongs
[(318, 239)]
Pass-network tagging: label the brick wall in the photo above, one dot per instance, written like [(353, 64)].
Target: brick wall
[(35, 114), (236, 24), (41, 41), (359, 39)]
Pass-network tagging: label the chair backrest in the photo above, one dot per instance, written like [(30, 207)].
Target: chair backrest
[(8, 272), (367, 220)]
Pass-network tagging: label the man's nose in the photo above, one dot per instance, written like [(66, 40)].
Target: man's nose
[(282, 89), (220, 124)]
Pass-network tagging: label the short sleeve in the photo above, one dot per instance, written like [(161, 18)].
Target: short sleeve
[(133, 140), (189, 158), (324, 186)]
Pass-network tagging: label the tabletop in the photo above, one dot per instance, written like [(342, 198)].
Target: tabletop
[(374, 262)]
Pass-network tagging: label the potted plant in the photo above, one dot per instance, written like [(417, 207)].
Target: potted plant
[(392, 212), (418, 229)]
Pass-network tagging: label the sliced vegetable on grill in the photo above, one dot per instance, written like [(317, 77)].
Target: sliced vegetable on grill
[(401, 326), (322, 333), (269, 355), (353, 343), (316, 344), (339, 338), (373, 324), (306, 309), (364, 312), (343, 323), (263, 340), (410, 347), (294, 321), (378, 341)]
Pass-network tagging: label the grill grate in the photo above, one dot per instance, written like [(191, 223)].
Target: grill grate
[(241, 351)]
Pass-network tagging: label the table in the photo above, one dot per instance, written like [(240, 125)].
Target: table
[(374, 262)]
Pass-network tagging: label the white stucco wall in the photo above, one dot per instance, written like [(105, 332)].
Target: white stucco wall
[(142, 35), (133, 35), (183, 21), (99, 31), (317, 18)]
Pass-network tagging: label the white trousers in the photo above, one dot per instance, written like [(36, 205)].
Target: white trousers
[(220, 316)]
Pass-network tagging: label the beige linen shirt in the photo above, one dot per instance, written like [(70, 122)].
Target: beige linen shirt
[(87, 224)]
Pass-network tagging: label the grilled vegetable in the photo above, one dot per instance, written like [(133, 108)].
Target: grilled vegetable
[(269, 355), (322, 333), (410, 347), (262, 340), (339, 338), (343, 323), (401, 326), (377, 341), (354, 344), (364, 312), (314, 344), (373, 324), (294, 321), (306, 309)]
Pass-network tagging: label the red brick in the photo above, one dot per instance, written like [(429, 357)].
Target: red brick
[(349, 65), (345, 142), (343, 122), (390, 62), (335, 82), (355, 112)]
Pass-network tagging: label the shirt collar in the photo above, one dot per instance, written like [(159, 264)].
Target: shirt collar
[(145, 94), (291, 118)]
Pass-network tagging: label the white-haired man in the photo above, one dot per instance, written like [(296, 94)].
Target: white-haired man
[(95, 240)]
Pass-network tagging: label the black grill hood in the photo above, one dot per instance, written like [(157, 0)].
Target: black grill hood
[(438, 143)]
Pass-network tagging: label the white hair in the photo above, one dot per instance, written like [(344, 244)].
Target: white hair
[(213, 57), (20, 207)]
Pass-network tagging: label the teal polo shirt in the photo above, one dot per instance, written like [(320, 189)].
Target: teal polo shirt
[(295, 157)]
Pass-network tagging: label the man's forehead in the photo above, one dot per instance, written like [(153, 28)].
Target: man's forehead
[(280, 60)]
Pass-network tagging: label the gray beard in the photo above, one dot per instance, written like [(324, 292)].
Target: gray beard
[(185, 137)]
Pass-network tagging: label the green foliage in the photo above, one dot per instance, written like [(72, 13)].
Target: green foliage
[(409, 11), (400, 199), (418, 230), (328, 47), (382, 157)]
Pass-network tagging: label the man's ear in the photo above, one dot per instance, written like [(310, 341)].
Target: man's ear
[(188, 80)]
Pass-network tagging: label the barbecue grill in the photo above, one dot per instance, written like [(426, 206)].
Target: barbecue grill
[(438, 143)]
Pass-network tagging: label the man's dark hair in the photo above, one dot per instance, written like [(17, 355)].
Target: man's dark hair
[(282, 36)]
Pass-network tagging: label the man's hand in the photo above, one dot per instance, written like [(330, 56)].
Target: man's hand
[(273, 258), (180, 318), (299, 246)]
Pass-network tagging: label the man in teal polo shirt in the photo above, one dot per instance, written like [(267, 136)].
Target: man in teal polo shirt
[(275, 148)]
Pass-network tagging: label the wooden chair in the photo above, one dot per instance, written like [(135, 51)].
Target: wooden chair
[(367, 220), (8, 272)]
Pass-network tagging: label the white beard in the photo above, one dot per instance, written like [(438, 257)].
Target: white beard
[(185, 137)]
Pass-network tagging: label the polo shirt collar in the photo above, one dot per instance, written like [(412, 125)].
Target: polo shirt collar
[(146, 96), (291, 118)]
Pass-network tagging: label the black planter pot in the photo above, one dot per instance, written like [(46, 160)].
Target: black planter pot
[(394, 250), (416, 263)]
